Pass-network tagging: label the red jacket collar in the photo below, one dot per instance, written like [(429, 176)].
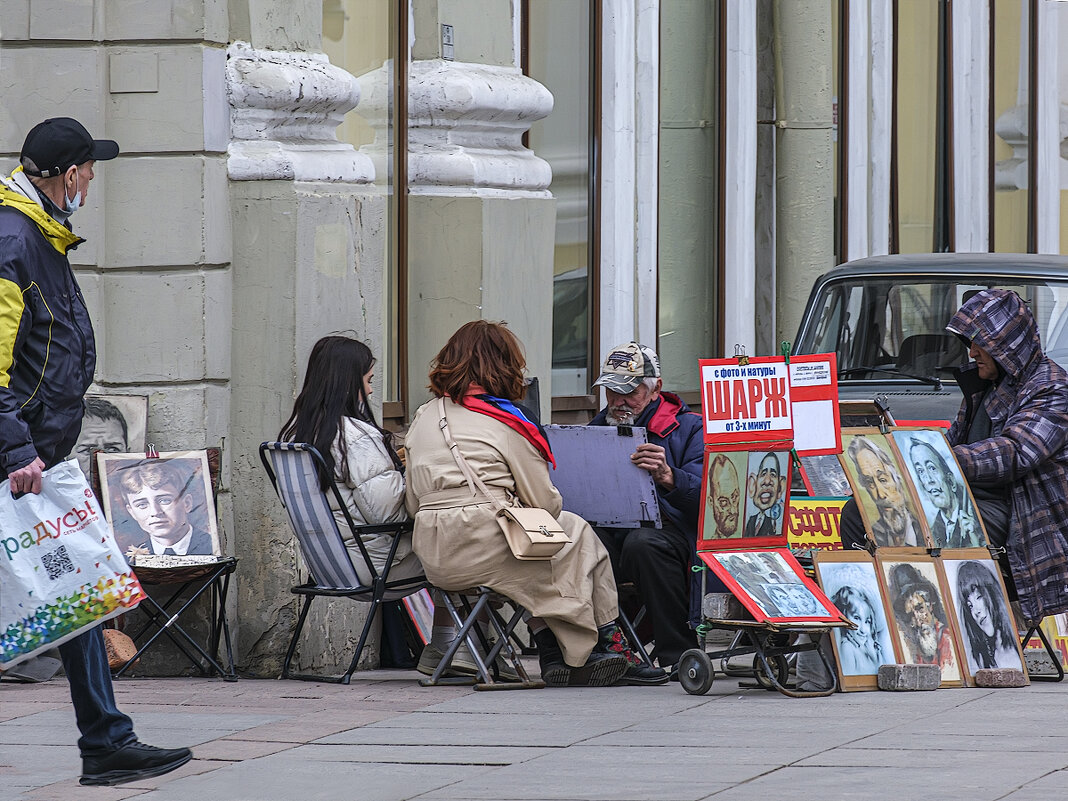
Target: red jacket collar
[(664, 421)]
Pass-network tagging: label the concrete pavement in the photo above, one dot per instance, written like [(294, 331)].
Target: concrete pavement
[(385, 737)]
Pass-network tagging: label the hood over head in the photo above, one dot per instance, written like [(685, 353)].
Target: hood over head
[(999, 322)]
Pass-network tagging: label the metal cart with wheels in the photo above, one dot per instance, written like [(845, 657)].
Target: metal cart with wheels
[(769, 643)]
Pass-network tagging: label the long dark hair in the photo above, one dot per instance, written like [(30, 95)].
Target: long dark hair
[(333, 388)]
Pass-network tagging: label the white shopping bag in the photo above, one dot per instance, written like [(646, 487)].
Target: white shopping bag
[(60, 570)]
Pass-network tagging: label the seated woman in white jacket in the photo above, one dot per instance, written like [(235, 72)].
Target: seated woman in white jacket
[(333, 414)]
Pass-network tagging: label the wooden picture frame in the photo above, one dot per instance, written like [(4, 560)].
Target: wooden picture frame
[(746, 492), (771, 585), (885, 496), (850, 579), (924, 628), (151, 500), (985, 626), (946, 500)]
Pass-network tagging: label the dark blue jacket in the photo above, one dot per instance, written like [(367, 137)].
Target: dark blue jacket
[(670, 424), (47, 350)]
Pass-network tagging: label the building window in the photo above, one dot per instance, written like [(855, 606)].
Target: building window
[(362, 37), (689, 258), (1012, 126), (558, 53)]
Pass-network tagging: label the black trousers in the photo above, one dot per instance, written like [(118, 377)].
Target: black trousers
[(657, 561)]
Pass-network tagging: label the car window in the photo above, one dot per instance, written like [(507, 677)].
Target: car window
[(878, 327)]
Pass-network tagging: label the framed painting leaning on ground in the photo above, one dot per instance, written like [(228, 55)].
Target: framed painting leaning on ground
[(850, 580), (981, 605), (919, 614)]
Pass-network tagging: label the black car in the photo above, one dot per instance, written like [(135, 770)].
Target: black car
[(885, 319)]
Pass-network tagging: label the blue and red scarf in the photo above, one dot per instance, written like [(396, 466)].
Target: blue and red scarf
[(477, 400)]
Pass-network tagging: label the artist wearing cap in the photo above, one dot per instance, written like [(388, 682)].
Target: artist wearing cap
[(657, 560), (47, 360)]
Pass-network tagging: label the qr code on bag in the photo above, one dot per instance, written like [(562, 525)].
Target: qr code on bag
[(57, 562)]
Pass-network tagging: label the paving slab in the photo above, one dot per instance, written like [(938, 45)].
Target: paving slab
[(293, 775), (385, 737)]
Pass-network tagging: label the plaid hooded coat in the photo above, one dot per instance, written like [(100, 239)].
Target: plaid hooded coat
[(1028, 446)]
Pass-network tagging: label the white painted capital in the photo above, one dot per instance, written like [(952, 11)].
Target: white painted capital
[(465, 127), (284, 112)]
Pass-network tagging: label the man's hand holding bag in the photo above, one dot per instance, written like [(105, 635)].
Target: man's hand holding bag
[(60, 569)]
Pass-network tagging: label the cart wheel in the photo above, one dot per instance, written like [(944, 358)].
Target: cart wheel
[(778, 664), (695, 672)]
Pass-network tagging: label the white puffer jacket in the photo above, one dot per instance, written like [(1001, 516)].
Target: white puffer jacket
[(374, 492)]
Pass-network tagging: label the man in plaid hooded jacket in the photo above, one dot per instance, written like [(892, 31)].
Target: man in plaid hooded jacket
[(1011, 439)]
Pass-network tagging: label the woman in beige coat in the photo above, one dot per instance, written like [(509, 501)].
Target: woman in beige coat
[(479, 373)]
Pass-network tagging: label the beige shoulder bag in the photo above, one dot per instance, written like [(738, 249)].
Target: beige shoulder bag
[(532, 533)]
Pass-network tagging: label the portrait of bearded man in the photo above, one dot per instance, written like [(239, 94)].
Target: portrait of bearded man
[(921, 618), (723, 499), (897, 523)]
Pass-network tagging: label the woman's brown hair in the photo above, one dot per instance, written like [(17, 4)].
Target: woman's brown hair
[(479, 352)]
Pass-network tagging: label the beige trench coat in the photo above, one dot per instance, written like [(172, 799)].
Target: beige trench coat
[(460, 544)]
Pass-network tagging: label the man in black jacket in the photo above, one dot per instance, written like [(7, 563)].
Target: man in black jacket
[(47, 360)]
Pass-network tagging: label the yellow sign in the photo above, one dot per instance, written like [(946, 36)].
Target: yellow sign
[(814, 523)]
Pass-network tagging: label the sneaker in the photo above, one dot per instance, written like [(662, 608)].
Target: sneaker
[(600, 670), (132, 762), (463, 664)]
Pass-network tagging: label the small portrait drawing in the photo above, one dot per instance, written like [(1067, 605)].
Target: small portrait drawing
[(111, 424), (723, 498), (986, 622), (886, 497), (161, 506), (950, 514), (854, 589), (766, 491), (921, 617)]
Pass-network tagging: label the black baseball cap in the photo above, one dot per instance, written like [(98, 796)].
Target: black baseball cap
[(54, 146)]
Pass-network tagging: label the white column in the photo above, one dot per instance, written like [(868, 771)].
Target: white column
[(739, 176), (618, 287), (971, 151), (881, 103)]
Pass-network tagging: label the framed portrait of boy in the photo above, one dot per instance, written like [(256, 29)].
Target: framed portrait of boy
[(850, 580), (160, 506)]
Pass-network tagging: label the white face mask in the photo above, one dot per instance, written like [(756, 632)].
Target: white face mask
[(75, 203)]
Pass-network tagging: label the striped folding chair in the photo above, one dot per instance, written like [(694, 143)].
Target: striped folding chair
[(293, 468)]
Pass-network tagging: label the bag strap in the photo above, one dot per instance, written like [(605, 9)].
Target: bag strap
[(470, 476)]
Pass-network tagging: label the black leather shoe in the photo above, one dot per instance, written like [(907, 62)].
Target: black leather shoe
[(644, 676), (132, 762), (600, 670)]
